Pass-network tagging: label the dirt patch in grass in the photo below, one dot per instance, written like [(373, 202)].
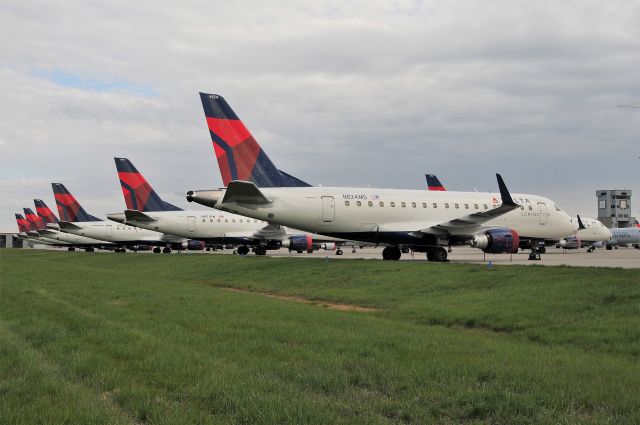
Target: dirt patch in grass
[(327, 304)]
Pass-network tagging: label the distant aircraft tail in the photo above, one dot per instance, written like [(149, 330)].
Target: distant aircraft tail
[(239, 155), (23, 225), (68, 208), (433, 183), (44, 212), (138, 194), (34, 221)]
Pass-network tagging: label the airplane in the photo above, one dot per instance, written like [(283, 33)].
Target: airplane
[(424, 221), (26, 231), (591, 233), (74, 219), (624, 235), (47, 217), (146, 210)]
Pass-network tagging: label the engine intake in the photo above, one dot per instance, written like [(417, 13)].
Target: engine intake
[(497, 241), (300, 243)]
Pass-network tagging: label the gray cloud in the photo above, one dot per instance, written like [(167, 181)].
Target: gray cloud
[(338, 93)]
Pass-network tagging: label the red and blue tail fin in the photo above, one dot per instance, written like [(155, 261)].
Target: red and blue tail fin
[(44, 212), (68, 208), (138, 194), (433, 183), (34, 221), (239, 155), (23, 225)]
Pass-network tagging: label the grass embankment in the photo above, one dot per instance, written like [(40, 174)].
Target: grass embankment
[(110, 338)]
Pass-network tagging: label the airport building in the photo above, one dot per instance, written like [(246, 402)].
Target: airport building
[(10, 240), (614, 208)]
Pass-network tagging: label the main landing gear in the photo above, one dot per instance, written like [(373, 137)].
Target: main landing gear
[(339, 252), (156, 250), (535, 254), (242, 250), (437, 255), (391, 253)]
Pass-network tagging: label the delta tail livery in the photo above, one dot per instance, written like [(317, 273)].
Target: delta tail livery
[(146, 210), (424, 221)]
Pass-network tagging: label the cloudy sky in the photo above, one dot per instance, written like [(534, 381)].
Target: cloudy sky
[(340, 93)]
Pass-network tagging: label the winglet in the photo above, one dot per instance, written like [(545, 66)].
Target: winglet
[(242, 192), (580, 224), (504, 192)]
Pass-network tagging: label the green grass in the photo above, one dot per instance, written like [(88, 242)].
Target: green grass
[(112, 338)]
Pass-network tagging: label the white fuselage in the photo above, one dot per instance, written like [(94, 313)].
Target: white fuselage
[(624, 235), (213, 224), (358, 213), (594, 232), (120, 233), (72, 239)]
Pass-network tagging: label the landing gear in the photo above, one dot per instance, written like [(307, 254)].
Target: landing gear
[(535, 254), (243, 250), (71, 248), (166, 250), (339, 252), (156, 250), (89, 249), (261, 250), (310, 251), (542, 249), (609, 247), (437, 255), (119, 250), (391, 253)]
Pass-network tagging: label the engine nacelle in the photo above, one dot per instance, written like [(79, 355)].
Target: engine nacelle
[(193, 245), (299, 243), (570, 242), (328, 246), (497, 241)]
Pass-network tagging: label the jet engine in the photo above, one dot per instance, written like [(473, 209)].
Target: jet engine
[(328, 246), (299, 243), (497, 241), (570, 242), (193, 245)]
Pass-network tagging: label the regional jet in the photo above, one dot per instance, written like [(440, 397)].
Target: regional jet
[(146, 210), (75, 220), (424, 221)]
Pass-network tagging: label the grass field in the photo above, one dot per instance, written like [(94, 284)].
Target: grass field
[(142, 338)]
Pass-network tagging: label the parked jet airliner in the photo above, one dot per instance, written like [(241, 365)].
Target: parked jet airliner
[(424, 221), (75, 220), (145, 209)]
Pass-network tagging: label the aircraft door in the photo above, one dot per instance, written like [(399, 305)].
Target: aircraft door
[(191, 223), (542, 213), (328, 209), (109, 229)]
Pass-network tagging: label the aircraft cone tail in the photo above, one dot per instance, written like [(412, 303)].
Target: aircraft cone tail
[(239, 155), (433, 183), (33, 219), (138, 193), (23, 224), (68, 208), (44, 212)]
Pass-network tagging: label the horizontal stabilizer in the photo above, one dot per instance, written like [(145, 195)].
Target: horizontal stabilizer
[(68, 225), (135, 215), (46, 232), (243, 192)]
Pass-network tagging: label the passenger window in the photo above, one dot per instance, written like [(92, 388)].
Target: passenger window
[(381, 204), (226, 220), (358, 203), (346, 203), (486, 207), (203, 220), (370, 203), (392, 204), (233, 220), (403, 205), (530, 208), (218, 220), (457, 206), (424, 205), (466, 206), (435, 205), (413, 205), (446, 205), (240, 220), (475, 206)]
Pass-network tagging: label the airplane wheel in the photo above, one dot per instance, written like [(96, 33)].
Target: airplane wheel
[(534, 256), (89, 249), (156, 250), (261, 250), (430, 255), (542, 250), (166, 250), (339, 252), (243, 250), (353, 251), (609, 247), (309, 251), (440, 255), (71, 248), (391, 253)]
